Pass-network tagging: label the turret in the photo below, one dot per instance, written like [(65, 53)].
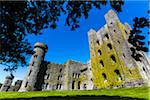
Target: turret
[(7, 83), (34, 67)]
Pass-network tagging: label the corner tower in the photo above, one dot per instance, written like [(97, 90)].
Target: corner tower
[(34, 67), (8, 81)]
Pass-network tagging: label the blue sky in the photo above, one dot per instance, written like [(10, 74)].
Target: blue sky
[(64, 44)]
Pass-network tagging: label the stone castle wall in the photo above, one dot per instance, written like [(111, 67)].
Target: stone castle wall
[(110, 64)]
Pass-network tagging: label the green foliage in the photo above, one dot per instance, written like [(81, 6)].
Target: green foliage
[(137, 36), (18, 18)]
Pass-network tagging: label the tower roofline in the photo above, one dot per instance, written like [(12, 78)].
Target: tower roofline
[(42, 45)]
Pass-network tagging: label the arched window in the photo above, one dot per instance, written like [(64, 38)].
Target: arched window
[(118, 74), (101, 62), (109, 46), (99, 52), (104, 76), (113, 58)]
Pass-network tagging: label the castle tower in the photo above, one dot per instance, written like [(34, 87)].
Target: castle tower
[(111, 61), (37, 58), (7, 83)]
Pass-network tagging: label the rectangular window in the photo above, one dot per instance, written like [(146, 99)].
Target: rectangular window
[(30, 72)]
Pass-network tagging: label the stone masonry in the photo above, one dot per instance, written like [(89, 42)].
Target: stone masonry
[(110, 64)]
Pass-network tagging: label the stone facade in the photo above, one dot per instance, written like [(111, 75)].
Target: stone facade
[(110, 64)]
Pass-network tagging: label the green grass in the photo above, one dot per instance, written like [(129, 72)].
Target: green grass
[(136, 92)]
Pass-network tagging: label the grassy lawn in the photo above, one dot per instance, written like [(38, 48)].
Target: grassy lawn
[(136, 92)]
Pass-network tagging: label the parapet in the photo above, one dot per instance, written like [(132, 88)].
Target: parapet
[(41, 45)]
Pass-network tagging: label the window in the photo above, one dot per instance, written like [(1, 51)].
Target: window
[(118, 74), (74, 75), (144, 69), (124, 56), (99, 52), (59, 77), (48, 76), (30, 72), (78, 84), (84, 86), (46, 85), (57, 86), (78, 75), (60, 86), (126, 32), (106, 35), (33, 63), (101, 62), (35, 56), (60, 70), (26, 84), (73, 84), (104, 76), (113, 58), (109, 46), (97, 42), (130, 71), (91, 79)]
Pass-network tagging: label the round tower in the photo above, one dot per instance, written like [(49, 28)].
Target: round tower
[(34, 66), (7, 83)]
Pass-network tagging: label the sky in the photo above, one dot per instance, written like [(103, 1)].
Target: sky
[(64, 44)]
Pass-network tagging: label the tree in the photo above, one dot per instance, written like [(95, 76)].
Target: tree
[(137, 36), (19, 18)]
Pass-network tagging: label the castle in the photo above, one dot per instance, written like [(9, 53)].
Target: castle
[(110, 64)]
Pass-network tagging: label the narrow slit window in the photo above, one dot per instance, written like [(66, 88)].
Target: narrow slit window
[(26, 84), (79, 84), (60, 70), (113, 58), (48, 76), (30, 72)]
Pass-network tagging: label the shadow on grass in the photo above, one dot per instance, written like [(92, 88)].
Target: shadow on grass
[(85, 97)]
